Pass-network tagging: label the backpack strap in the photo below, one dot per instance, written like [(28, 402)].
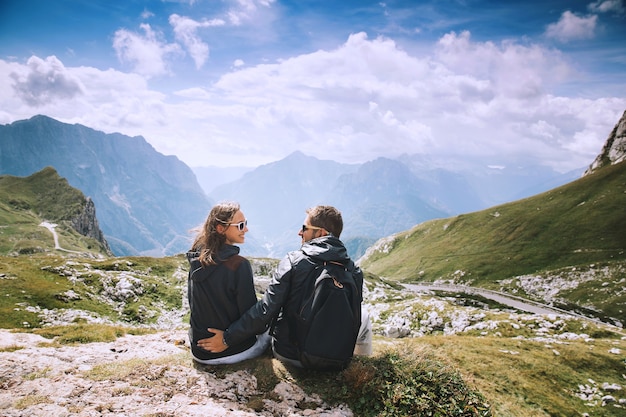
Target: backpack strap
[(336, 263), (337, 283), (292, 323), (356, 299)]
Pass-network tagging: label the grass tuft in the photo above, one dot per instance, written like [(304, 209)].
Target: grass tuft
[(87, 333), (31, 400)]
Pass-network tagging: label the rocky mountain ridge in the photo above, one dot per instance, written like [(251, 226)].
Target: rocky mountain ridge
[(86, 223), (614, 149), (564, 247)]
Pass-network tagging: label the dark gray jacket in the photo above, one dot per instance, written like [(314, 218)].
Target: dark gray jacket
[(284, 294), (218, 295)]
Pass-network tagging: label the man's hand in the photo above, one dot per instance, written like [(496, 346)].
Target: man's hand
[(214, 344)]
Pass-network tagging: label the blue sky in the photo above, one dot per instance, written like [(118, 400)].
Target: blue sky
[(247, 82)]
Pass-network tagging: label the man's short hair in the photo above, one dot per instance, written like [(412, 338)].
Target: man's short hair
[(327, 217)]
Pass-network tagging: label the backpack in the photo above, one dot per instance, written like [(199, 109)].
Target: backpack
[(329, 318)]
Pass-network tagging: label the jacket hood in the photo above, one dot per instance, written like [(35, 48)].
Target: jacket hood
[(326, 248), (224, 253)]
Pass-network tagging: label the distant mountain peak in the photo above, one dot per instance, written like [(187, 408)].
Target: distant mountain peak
[(298, 156), (614, 149)]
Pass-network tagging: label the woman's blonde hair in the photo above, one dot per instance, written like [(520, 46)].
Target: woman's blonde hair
[(209, 240)]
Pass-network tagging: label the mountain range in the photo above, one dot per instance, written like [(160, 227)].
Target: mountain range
[(377, 198), (147, 203)]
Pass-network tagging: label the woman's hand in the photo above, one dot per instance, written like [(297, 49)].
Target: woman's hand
[(215, 343)]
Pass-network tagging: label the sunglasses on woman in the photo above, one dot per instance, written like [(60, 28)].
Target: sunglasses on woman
[(241, 225)]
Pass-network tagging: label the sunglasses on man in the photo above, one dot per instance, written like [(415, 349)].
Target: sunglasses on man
[(305, 228)]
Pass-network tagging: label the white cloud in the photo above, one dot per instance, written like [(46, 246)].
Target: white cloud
[(244, 10), (195, 93), (109, 100), (508, 69), (368, 98), (572, 27), (185, 30), (44, 81), (148, 53), (605, 6), (364, 99)]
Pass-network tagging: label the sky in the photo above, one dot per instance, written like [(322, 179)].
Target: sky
[(247, 82)]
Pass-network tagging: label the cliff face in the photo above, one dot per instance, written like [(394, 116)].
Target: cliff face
[(614, 149), (86, 223)]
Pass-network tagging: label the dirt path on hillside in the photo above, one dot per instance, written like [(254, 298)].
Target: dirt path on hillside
[(51, 227)]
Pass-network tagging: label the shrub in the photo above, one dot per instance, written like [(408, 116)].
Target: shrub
[(401, 383)]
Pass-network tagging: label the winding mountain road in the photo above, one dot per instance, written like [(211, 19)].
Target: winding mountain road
[(502, 298)]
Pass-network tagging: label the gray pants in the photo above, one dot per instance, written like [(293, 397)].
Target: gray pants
[(262, 342), (364, 340)]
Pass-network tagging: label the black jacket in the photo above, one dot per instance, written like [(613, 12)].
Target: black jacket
[(218, 295), (284, 293)]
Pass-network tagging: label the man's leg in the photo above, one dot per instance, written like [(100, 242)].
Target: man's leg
[(364, 340)]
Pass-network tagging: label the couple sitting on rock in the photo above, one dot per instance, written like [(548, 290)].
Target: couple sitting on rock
[(307, 313)]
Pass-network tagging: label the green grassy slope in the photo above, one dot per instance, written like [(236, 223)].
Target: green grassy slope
[(26, 202), (579, 225)]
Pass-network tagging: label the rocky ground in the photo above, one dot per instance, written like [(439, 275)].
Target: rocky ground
[(153, 375), (150, 375)]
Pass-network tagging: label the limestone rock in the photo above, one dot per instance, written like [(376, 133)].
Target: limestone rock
[(86, 223), (614, 149)]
